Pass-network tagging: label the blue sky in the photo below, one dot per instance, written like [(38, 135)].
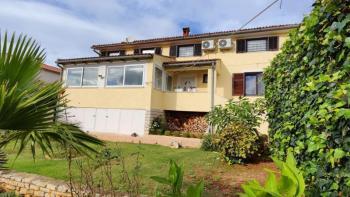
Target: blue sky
[(67, 28)]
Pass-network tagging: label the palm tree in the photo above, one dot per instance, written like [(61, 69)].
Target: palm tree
[(29, 109)]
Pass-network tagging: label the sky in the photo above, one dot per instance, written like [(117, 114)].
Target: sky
[(68, 28)]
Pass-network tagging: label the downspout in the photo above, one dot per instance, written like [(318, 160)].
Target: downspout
[(212, 93)]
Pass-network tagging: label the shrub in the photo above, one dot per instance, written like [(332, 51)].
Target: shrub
[(238, 112), (238, 143), (291, 183), (308, 98), (167, 133), (209, 143), (158, 126)]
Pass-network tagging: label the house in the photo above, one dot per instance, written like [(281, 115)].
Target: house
[(129, 83), (49, 74)]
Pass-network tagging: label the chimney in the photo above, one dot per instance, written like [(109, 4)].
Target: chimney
[(186, 31)]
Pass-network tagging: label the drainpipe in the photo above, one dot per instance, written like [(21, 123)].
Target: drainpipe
[(212, 93)]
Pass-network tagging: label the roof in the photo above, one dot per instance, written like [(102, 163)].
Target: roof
[(202, 62), (203, 35), (51, 68), (103, 59)]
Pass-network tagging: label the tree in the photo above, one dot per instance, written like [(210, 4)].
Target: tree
[(29, 109)]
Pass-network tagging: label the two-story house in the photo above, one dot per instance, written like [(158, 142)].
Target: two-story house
[(129, 83)]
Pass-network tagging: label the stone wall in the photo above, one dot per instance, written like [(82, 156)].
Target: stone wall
[(31, 185), (150, 115)]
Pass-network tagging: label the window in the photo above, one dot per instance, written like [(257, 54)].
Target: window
[(74, 76), (169, 83), (186, 51), (115, 76), (133, 75), (148, 51), (158, 73), (256, 45), (125, 75), (205, 78), (90, 77), (253, 84)]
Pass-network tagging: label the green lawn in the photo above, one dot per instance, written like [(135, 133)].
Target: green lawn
[(219, 177)]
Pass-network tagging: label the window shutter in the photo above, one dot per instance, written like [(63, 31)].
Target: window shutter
[(122, 52), (197, 50), (173, 51), (241, 46), (158, 50), (273, 43), (137, 51), (237, 84)]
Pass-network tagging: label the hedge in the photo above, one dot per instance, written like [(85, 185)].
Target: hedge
[(308, 98)]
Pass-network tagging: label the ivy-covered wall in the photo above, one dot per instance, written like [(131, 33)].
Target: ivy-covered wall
[(308, 98)]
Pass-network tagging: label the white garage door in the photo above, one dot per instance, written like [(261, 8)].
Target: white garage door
[(118, 121)]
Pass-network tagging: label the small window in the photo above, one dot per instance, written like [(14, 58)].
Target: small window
[(133, 75), (254, 85), (74, 76), (186, 51), (148, 51), (90, 76), (205, 78), (257, 45), (169, 83), (158, 78), (115, 76)]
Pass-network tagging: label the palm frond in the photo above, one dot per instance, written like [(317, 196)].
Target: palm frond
[(63, 134)]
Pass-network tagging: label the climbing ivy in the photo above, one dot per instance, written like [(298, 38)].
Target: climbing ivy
[(308, 98)]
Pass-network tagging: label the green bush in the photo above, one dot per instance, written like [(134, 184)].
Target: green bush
[(167, 133), (290, 184), (238, 112), (158, 126), (209, 143), (308, 98), (238, 144)]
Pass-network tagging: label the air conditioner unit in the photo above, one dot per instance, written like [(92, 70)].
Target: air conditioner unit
[(208, 44), (225, 43)]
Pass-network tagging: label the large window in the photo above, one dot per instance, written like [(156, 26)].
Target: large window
[(254, 85), (74, 76), (186, 51), (125, 75), (133, 75), (115, 76), (257, 45), (158, 78), (90, 76)]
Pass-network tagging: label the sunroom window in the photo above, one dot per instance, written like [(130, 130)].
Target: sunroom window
[(74, 76), (133, 75), (90, 77), (115, 76)]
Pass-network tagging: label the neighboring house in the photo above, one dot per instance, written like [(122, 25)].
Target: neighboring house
[(49, 74), (131, 82)]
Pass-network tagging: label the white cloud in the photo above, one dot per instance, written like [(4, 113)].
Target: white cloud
[(67, 28)]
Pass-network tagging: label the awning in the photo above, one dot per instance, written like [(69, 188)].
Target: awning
[(103, 59)]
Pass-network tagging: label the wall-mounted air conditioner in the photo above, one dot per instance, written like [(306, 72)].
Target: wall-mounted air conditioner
[(208, 44), (225, 43)]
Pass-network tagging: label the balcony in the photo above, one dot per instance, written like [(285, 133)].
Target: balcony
[(186, 101)]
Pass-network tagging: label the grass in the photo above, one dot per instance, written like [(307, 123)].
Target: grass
[(199, 165)]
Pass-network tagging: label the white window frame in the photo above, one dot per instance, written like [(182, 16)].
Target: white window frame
[(81, 77), (124, 68)]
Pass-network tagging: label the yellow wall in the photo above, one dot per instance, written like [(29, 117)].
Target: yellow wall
[(149, 98)]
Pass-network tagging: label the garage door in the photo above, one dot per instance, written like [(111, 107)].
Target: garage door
[(118, 121)]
